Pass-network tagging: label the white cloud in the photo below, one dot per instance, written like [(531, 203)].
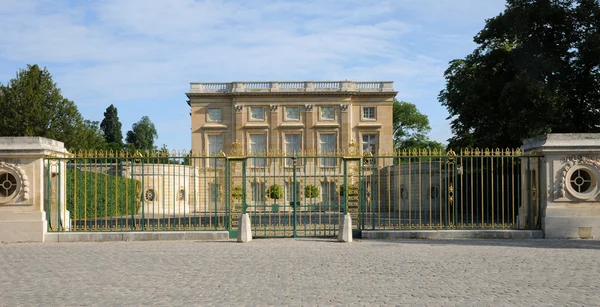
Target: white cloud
[(146, 52)]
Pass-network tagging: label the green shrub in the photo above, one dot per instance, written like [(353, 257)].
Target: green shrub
[(236, 193), (311, 191), (275, 192), (101, 195)]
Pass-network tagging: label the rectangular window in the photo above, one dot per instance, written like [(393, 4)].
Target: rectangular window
[(258, 193), (369, 143), (327, 146), (369, 112), (215, 145), (327, 113), (214, 115), (257, 113), (330, 199), (292, 147), (289, 187), (257, 148), (292, 113)]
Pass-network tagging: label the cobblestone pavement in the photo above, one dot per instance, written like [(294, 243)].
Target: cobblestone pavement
[(302, 272)]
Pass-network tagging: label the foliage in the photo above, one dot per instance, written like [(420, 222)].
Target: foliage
[(536, 70), (410, 127), (101, 195), (91, 137), (236, 192), (311, 191), (32, 105), (275, 192), (142, 135), (342, 190), (111, 126)]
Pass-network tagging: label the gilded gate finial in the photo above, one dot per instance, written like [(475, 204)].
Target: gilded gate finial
[(353, 149), (236, 149)]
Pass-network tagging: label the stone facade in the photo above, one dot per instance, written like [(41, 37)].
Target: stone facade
[(569, 184), (290, 117)]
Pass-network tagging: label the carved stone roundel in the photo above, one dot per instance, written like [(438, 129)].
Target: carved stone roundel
[(579, 178), (13, 182)]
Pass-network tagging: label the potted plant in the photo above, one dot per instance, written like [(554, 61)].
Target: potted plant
[(275, 192), (311, 192)]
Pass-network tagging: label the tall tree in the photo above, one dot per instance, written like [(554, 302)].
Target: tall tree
[(111, 126), (32, 105), (142, 135), (536, 70), (411, 127)]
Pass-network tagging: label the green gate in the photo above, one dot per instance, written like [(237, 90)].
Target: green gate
[(301, 195)]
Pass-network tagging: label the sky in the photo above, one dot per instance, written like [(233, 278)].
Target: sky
[(141, 55)]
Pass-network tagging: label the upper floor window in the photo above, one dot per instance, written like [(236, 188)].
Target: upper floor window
[(214, 115), (292, 147), (369, 143), (368, 112), (327, 147), (215, 145), (257, 113), (257, 148), (292, 113), (327, 113)]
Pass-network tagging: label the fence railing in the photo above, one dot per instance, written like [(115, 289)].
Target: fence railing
[(305, 194)]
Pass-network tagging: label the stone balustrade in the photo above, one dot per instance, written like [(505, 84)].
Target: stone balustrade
[(284, 86)]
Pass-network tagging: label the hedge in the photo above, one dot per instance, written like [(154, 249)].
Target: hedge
[(104, 195)]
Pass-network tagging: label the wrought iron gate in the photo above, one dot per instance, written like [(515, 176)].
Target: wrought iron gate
[(294, 196)]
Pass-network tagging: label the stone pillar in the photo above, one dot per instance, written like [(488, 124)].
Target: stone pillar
[(273, 142), (238, 125), (569, 184), (346, 132), (24, 181)]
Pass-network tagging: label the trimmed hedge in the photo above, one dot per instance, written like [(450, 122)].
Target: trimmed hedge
[(101, 195)]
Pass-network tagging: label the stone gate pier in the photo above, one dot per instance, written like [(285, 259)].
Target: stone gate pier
[(23, 181), (569, 184)]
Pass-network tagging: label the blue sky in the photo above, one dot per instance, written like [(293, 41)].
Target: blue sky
[(140, 55)]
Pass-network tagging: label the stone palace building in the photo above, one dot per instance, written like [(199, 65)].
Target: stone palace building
[(291, 117)]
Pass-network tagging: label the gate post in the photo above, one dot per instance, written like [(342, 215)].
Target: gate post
[(562, 185), (22, 188), (345, 228), (238, 217)]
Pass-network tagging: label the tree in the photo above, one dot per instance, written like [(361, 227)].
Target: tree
[(142, 135), (411, 127), (111, 126), (32, 105), (536, 70), (91, 136)]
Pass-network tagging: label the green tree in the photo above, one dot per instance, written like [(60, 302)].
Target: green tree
[(411, 127), (91, 136), (536, 70), (142, 135), (111, 126), (32, 105)]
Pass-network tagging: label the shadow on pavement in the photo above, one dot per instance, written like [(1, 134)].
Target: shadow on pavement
[(529, 243)]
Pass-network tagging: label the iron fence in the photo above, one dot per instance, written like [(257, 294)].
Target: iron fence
[(301, 195)]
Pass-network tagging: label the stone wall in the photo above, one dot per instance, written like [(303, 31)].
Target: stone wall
[(569, 186)]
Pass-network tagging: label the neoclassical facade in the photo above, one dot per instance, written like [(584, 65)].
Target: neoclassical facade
[(291, 117)]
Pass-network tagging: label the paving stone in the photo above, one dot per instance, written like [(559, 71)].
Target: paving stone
[(302, 272)]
